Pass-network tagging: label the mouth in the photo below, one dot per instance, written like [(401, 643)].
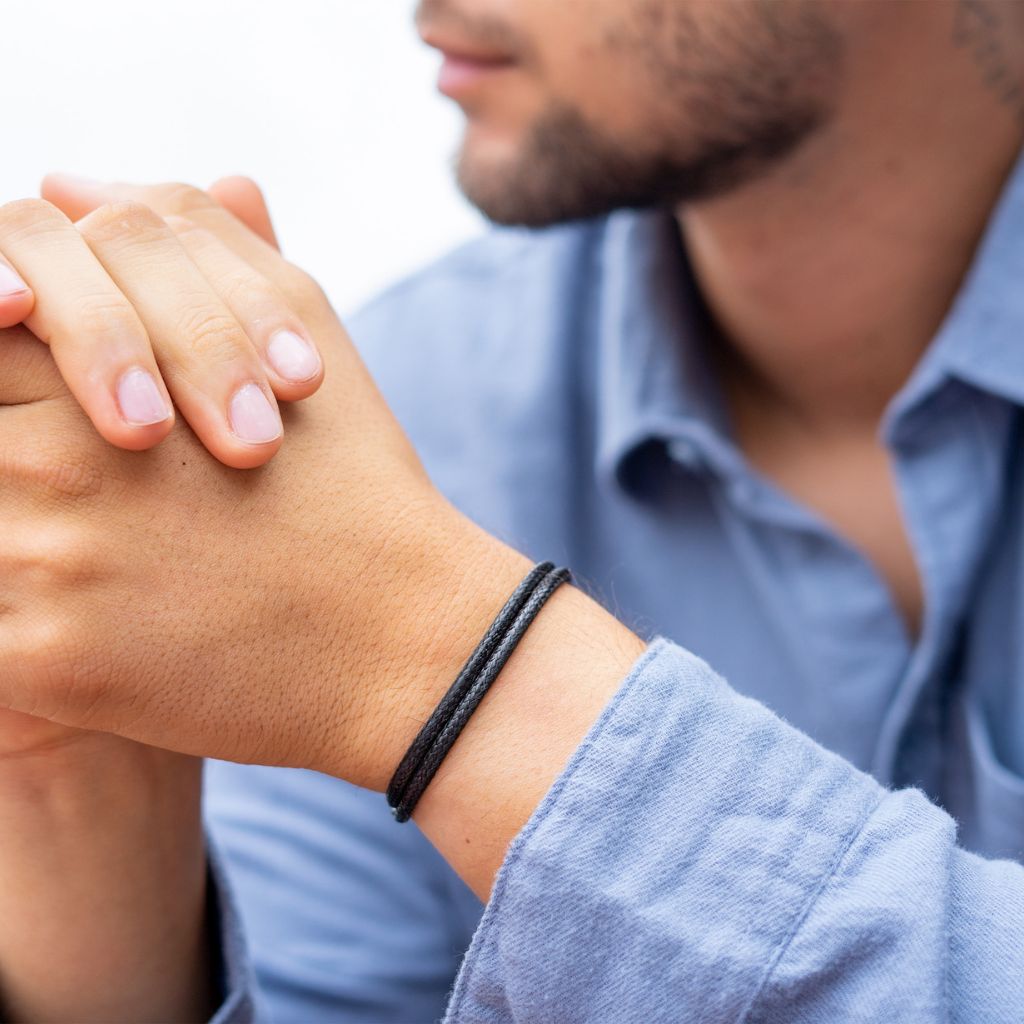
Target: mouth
[(459, 75), (465, 67)]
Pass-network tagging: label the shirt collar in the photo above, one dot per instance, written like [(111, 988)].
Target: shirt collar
[(981, 340), (655, 384)]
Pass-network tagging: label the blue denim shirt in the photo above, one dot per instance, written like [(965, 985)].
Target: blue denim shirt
[(757, 840)]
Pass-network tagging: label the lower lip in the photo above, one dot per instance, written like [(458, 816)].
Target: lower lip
[(459, 74)]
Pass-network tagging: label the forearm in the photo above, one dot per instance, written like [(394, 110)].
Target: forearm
[(102, 886)]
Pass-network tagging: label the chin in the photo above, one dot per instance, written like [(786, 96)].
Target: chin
[(485, 161)]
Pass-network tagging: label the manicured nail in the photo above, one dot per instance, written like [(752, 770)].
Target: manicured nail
[(253, 418), (293, 357), (10, 282), (140, 399)]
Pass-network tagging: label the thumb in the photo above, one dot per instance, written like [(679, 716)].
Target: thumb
[(243, 198)]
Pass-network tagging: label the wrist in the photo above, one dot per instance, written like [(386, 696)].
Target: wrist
[(454, 579), (565, 670), (102, 911), (68, 775)]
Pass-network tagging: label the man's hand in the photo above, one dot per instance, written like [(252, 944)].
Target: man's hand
[(82, 938), (286, 616), (138, 313), (22, 735)]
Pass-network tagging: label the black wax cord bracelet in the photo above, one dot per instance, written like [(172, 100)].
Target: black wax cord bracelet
[(462, 712), (443, 712)]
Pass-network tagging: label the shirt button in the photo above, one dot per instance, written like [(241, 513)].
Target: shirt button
[(685, 453), (744, 492)]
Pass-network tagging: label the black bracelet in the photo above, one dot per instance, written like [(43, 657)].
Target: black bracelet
[(426, 736), (436, 738)]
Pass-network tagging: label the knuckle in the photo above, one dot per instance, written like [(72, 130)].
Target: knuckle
[(181, 199), (183, 225), (54, 557), (213, 335), (301, 288), (106, 315), (119, 220), (194, 238), (69, 477), (243, 290), (22, 216)]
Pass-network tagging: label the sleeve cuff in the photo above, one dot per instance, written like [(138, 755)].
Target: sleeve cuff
[(669, 865)]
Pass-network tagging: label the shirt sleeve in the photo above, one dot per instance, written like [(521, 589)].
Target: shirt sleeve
[(701, 860)]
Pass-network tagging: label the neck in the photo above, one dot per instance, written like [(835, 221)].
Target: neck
[(829, 276)]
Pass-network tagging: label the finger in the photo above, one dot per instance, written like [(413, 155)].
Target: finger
[(211, 367), (243, 198), (77, 197), (98, 341), (293, 364), (16, 298)]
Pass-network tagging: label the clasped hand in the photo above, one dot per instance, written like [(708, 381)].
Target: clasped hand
[(285, 615)]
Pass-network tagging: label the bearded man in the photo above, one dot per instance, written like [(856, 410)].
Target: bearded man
[(746, 352)]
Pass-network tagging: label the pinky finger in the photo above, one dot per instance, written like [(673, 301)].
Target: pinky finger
[(16, 298)]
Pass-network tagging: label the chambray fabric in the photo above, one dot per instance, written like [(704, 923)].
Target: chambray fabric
[(767, 848)]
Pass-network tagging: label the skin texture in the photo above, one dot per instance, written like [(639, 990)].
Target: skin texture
[(81, 541), (167, 598)]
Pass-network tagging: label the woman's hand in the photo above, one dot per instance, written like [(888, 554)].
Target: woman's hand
[(141, 312)]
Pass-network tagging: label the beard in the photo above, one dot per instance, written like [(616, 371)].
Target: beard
[(725, 108)]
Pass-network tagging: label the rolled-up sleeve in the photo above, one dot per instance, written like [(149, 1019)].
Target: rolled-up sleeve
[(701, 860)]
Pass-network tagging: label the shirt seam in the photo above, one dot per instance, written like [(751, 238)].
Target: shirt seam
[(812, 898)]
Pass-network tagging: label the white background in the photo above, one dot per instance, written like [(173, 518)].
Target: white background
[(329, 104)]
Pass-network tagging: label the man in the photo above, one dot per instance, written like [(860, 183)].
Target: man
[(773, 417)]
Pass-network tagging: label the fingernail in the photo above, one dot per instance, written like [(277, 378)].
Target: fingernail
[(10, 282), (253, 418), (293, 357), (140, 399)]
